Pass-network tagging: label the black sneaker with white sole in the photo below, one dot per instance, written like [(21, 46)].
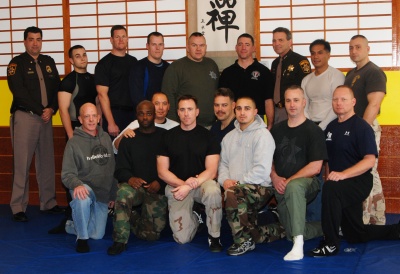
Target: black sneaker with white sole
[(239, 249), (324, 250)]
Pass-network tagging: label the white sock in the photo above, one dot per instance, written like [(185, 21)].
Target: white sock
[(297, 251)]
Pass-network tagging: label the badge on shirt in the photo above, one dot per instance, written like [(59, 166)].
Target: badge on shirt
[(255, 74), (12, 68), (305, 66), (213, 75), (48, 69), (355, 80)]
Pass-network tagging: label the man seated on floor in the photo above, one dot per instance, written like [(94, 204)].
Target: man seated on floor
[(244, 169), (300, 152), (188, 163), (224, 110), (352, 152), (87, 171), (160, 101), (136, 171)]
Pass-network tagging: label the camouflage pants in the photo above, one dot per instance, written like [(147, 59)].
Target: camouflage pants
[(242, 205), (146, 226), (374, 206)]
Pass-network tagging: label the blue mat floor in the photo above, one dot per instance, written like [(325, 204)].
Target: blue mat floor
[(27, 248)]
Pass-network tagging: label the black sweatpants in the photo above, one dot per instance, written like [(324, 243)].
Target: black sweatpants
[(342, 203)]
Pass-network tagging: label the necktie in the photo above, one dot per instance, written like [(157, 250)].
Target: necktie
[(277, 90), (43, 92)]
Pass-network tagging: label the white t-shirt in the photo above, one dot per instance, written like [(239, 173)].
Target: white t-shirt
[(318, 92)]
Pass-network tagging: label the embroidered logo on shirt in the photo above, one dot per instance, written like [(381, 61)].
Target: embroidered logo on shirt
[(48, 69), (328, 136), (355, 80), (347, 133), (305, 66), (255, 74), (213, 75), (12, 68)]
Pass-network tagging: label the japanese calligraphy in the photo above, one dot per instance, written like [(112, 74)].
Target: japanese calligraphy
[(222, 19)]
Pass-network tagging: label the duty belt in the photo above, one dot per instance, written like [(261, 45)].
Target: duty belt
[(24, 109)]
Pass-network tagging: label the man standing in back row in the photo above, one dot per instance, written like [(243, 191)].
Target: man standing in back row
[(368, 82), (146, 75), (248, 77), (196, 75), (289, 69), (111, 77), (33, 80)]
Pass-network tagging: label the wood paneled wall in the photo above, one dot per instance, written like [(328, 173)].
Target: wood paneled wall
[(388, 167)]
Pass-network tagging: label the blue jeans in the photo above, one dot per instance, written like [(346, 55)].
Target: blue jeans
[(89, 217)]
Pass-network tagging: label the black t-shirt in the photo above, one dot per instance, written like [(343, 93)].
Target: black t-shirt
[(369, 78), (187, 150), (137, 157), (113, 72), (296, 147), (83, 90), (256, 81), (348, 142)]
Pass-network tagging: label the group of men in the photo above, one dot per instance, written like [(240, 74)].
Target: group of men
[(163, 164)]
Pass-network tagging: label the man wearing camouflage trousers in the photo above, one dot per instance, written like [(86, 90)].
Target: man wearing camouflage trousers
[(244, 169), (136, 171)]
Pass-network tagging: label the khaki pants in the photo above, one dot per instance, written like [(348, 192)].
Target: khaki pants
[(182, 220), (374, 206)]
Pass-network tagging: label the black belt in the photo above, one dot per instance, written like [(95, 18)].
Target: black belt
[(280, 105), (24, 110), (125, 108)]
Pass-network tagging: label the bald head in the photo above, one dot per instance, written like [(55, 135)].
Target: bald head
[(145, 111), (145, 103), (89, 118)]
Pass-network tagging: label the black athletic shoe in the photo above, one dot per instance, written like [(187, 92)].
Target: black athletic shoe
[(274, 210), (20, 217), (214, 244), (82, 246), (116, 248), (324, 250), (239, 249), (60, 228), (54, 210)]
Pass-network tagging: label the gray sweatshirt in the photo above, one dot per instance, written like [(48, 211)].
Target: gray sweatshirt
[(90, 160), (246, 156)]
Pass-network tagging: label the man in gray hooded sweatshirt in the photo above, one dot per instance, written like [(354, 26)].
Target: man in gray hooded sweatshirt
[(244, 172), (87, 171)]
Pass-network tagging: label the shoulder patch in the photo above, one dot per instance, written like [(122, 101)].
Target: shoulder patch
[(305, 66), (11, 69)]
